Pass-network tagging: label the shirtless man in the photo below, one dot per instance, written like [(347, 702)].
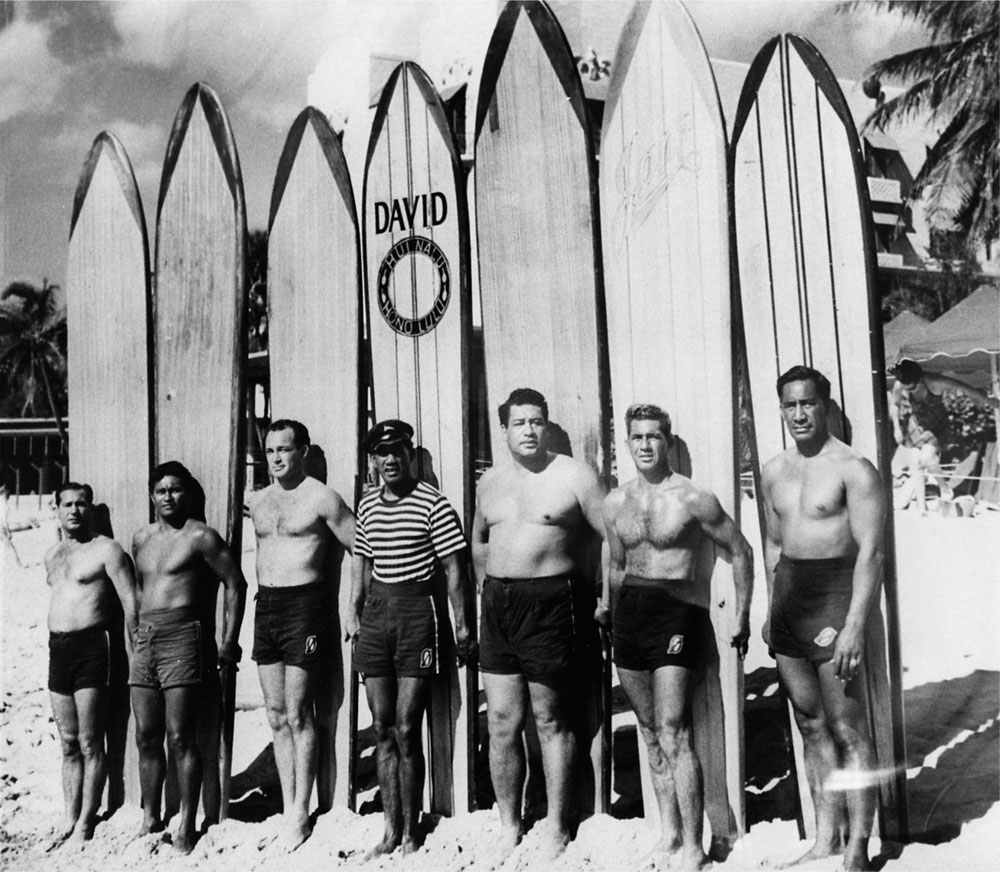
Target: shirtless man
[(656, 525), (86, 651), (534, 519), (179, 563), (825, 511), (303, 528)]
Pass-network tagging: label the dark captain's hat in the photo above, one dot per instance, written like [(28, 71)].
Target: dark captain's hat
[(385, 433)]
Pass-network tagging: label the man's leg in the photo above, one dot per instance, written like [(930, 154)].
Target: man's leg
[(638, 687), (91, 708), (181, 706), (150, 732), (506, 710), (551, 705), (381, 692), (272, 683), (411, 700), (802, 685), (672, 715), (846, 717), (64, 712), (300, 698)]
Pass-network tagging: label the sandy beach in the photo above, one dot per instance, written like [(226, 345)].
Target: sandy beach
[(949, 590)]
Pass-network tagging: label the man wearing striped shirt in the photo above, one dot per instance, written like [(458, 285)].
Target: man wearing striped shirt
[(407, 536)]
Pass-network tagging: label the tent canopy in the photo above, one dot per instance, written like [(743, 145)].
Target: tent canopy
[(902, 329), (963, 339)]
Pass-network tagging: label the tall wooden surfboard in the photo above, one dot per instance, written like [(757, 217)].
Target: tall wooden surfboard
[(419, 319), (200, 332), (807, 273), (539, 248), (665, 219), (314, 328), (107, 288)]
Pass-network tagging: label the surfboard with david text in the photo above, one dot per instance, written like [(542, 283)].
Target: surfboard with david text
[(664, 204), (200, 340), (314, 336), (539, 260), (419, 319), (807, 289), (107, 289)]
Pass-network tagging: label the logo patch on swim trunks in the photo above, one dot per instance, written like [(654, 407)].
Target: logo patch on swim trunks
[(676, 644), (311, 645), (826, 637), (426, 658)]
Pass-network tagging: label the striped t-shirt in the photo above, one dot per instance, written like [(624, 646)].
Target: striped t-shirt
[(406, 538)]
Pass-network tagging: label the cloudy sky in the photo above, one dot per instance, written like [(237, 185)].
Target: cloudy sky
[(69, 70)]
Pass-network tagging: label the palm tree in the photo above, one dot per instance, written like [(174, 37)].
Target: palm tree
[(33, 346), (953, 83)]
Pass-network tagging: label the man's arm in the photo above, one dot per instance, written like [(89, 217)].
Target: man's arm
[(772, 539), (361, 573), (866, 515), (723, 531), (480, 546), (339, 519), (220, 560), (118, 566), (895, 398), (454, 571), (613, 558)]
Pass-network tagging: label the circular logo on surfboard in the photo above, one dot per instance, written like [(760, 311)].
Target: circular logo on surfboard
[(414, 246)]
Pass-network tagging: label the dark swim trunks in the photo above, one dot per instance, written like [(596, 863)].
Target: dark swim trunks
[(653, 628), (173, 648), (400, 632), (809, 604), (535, 627), (293, 625), (94, 657)]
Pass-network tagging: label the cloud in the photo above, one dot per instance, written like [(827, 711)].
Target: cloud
[(30, 75)]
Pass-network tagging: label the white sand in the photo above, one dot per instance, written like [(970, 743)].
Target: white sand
[(950, 612)]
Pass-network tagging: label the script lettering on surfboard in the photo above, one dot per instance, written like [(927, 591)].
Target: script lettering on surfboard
[(644, 173), (401, 214)]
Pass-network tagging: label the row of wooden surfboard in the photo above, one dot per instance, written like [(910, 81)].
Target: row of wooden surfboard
[(641, 309)]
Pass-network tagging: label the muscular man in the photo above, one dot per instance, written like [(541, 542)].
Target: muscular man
[(408, 535), (920, 423), (179, 563), (535, 517), (87, 657), (303, 528), (656, 525), (823, 551)]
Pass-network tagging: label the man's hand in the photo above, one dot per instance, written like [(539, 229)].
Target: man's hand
[(229, 653), (466, 648), (847, 653), (351, 626), (602, 614), (741, 638)]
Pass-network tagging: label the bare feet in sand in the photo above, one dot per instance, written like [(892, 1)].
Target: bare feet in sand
[(553, 842), (148, 827), (856, 861), (294, 832), (664, 855), (693, 859), (497, 854), (817, 852), (390, 841), (184, 841), (60, 835)]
